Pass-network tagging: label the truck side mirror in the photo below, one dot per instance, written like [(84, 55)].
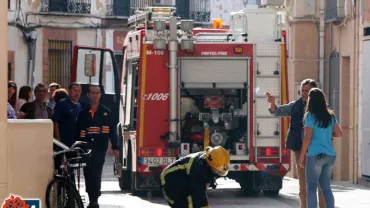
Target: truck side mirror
[(90, 65)]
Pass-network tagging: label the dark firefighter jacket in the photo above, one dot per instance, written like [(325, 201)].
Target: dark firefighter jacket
[(187, 177), (97, 127)]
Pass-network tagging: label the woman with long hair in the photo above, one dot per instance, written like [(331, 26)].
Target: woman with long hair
[(12, 93), (25, 94), (317, 148)]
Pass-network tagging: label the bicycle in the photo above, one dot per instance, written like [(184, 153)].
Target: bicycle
[(61, 192)]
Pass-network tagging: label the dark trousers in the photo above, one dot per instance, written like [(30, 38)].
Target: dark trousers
[(180, 203), (93, 174), (175, 198)]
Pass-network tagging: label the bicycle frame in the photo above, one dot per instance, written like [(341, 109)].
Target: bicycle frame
[(65, 164)]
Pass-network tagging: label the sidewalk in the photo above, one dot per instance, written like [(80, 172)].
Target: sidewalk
[(346, 195)]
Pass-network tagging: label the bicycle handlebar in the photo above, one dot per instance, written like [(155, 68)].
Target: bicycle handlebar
[(66, 149)]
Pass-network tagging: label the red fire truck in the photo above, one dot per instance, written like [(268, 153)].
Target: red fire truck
[(183, 88)]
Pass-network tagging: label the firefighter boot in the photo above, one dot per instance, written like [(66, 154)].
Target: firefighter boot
[(93, 205), (93, 201)]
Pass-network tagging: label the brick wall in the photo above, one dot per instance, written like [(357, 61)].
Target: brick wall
[(11, 61), (54, 34)]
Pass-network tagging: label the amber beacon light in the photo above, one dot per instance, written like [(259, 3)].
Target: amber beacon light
[(238, 50), (217, 23)]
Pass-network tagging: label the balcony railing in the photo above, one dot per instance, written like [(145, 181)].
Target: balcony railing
[(118, 8), (200, 10), (66, 6), (139, 4), (197, 10), (126, 8)]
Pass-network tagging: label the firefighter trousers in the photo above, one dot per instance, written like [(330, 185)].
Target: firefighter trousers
[(93, 173), (176, 200)]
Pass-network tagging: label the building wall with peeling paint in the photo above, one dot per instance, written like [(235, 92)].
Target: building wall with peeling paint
[(82, 29)]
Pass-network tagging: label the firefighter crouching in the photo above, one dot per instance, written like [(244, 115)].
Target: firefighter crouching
[(184, 182), (95, 125)]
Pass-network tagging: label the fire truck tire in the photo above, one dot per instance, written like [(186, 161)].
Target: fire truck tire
[(125, 179), (271, 192), (251, 191), (247, 184)]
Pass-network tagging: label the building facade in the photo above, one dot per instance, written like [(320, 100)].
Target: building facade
[(325, 44), (328, 40), (41, 35), (364, 92)]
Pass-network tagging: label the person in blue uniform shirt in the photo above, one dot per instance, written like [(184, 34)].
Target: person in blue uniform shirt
[(95, 126)]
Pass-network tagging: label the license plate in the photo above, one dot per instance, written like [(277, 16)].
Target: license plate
[(157, 160)]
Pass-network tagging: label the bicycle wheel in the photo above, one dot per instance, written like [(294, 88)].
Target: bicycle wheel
[(61, 193)]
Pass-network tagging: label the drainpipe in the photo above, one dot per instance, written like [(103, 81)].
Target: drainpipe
[(356, 88), (30, 35), (321, 45), (173, 47)]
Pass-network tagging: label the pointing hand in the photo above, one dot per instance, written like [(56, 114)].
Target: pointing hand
[(270, 97)]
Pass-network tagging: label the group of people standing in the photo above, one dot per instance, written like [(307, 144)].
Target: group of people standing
[(25, 107), (74, 119), (312, 127)]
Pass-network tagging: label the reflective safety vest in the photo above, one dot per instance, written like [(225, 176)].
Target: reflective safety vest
[(97, 127)]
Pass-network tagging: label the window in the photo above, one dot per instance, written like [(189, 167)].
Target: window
[(64, 6), (119, 61), (132, 87), (108, 74), (60, 59), (8, 4), (9, 71), (118, 7)]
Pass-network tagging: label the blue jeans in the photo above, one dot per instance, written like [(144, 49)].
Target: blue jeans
[(318, 171)]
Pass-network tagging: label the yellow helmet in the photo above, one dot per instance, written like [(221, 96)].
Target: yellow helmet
[(218, 159)]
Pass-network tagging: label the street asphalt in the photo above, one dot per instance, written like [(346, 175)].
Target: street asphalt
[(227, 195)]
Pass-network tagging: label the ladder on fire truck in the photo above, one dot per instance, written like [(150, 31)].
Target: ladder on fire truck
[(145, 16)]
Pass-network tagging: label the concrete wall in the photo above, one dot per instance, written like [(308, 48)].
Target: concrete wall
[(23, 143), (80, 24), (363, 129), (17, 44), (303, 63), (29, 158)]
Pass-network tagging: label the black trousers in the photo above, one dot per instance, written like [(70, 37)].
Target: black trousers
[(174, 197), (93, 173)]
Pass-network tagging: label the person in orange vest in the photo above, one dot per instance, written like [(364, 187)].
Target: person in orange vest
[(95, 126)]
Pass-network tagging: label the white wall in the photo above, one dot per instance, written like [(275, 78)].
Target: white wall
[(109, 39), (17, 44), (87, 37)]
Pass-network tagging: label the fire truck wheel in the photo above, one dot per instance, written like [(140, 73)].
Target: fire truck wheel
[(251, 191), (125, 179), (247, 184), (271, 192)]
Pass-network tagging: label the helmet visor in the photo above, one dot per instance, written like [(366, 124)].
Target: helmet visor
[(221, 170)]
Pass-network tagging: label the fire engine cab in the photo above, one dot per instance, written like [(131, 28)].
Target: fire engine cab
[(184, 88)]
